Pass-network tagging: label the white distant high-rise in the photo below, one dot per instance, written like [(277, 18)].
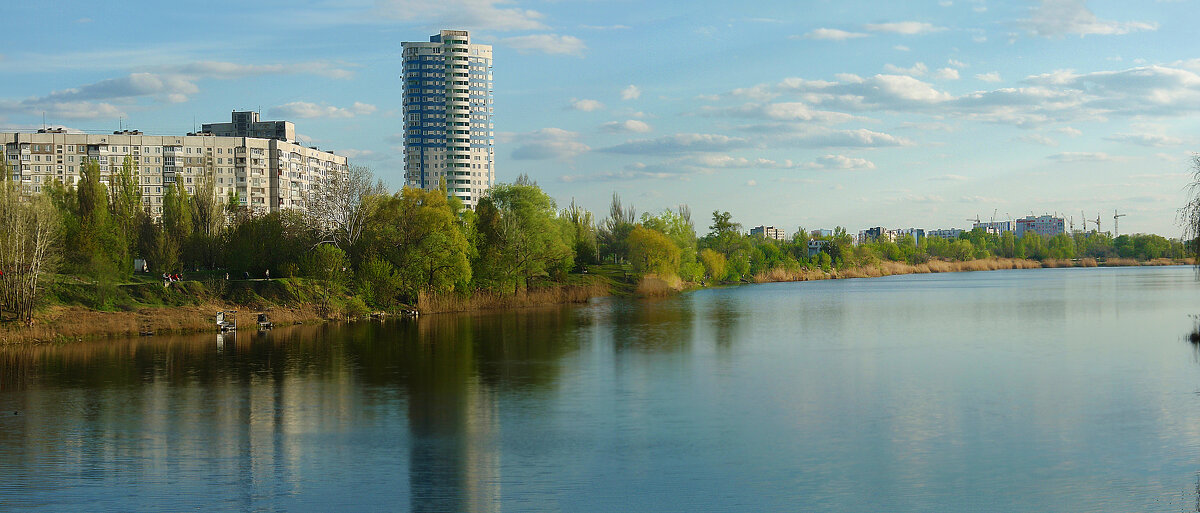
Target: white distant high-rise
[(448, 131)]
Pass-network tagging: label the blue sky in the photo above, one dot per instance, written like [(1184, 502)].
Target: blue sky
[(900, 114)]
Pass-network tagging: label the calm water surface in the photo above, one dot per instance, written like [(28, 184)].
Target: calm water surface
[(1047, 390)]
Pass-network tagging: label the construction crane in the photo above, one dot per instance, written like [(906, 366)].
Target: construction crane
[(976, 219), (994, 212), (1071, 221), (1085, 220), (1116, 218), (1097, 221)]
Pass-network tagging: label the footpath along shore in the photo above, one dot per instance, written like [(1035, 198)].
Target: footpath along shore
[(60, 324)]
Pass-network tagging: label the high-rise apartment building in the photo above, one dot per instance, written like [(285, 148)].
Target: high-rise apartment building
[(265, 174), (448, 131)]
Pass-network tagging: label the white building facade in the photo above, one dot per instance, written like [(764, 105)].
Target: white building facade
[(448, 130), (1048, 226), (266, 175)]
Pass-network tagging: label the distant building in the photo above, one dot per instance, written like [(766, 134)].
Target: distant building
[(815, 246), (948, 233), (769, 232), (247, 124), (996, 227), (1045, 225), (916, 233), (873, 234), (266, 174), (821, 233)]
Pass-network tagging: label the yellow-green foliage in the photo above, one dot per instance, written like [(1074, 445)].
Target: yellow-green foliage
[(714, 264), (650, 251)]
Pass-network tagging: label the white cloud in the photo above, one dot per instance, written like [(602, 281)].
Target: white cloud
[(549, 143), (230, 70), (903, 27), (990, 76), (552, 44), (631, 92), (1057, 18), (901, 48), (355, 154), (585, 105), (829, 34), (314, 110), (917, 70), (631, 125), (468, 14), (956, 63), (1037, 139), (751, 183), (948, 178), (841, 163), (1071, 131), (1150, 140), (605, 27), (946, 74), (679, 144), (1081, 156), (808, 137), (784, 111)]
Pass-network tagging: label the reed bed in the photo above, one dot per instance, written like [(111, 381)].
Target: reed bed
[(1121, 262), (489, 300)]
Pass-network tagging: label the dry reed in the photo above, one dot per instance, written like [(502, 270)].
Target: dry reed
[(489, 300)]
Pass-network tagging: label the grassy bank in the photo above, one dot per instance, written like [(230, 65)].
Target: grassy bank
[(76, 309), (889, 268)]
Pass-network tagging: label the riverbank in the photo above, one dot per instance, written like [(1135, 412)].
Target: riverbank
[(190, 307), (889, 268)]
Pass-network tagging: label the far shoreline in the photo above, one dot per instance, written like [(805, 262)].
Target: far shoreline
[(69, 324)]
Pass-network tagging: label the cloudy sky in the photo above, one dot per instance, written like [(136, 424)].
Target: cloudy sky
[(814, 113)]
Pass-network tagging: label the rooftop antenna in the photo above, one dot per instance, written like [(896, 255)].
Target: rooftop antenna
[(43, 120), (1117, 217)]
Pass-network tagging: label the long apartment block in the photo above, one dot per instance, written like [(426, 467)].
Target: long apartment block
[(266, 174)]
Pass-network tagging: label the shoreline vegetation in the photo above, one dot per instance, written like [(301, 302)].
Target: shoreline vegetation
[(94, 258), (78, 323)]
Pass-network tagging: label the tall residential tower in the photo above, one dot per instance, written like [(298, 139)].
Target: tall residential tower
[(448, 131)]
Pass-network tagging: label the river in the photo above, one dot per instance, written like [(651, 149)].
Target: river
[(1026, 390)]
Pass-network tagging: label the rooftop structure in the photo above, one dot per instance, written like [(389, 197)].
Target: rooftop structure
[(247, 124)]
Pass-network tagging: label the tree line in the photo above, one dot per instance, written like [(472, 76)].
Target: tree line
[(387, 249)]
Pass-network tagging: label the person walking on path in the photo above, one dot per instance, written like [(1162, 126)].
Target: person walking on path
[(268, 274)]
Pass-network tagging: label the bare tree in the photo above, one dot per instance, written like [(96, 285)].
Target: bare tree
[(1189, 215), (29, 229), (338, 207)]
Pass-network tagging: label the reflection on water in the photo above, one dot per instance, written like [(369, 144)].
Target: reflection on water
[(1021, 390)]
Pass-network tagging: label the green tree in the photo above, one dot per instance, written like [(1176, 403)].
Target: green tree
[(614, 232), (532, 244), (582, 230), (651, 251), (417, 232), (714, 264)]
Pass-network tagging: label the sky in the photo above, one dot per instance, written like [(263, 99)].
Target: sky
[(786, 113)]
